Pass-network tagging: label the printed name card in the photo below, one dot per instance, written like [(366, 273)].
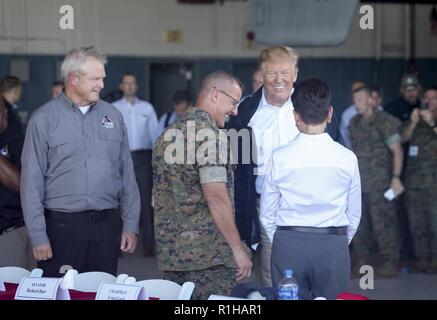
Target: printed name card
[(36, 288), (116, 291), (2, 286)]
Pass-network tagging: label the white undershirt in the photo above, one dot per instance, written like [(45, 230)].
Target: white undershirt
[(84, 109), (273, 127)]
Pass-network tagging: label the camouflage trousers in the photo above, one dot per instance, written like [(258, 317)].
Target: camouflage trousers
[(215, 280), (378, 226), (422, 214)]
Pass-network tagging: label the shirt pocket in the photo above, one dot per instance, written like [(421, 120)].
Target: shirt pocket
[(62, 149), (110, 141)]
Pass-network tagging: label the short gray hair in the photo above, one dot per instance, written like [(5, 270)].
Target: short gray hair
[(219, 78), (76, 58)]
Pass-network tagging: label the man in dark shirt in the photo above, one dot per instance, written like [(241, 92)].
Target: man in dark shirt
[(10, 90), (14, 244), (402, 107)]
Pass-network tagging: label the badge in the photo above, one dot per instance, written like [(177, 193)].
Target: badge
[(413, 151), (107, 122), (4, 151)]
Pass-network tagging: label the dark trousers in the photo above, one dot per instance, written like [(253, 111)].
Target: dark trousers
[(86, 241), (143, 172), (320, 262)]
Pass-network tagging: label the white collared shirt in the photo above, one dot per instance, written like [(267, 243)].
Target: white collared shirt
[(312, 181), (272, 127), (141, 123)]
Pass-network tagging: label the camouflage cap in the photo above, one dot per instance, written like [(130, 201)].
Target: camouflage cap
[(410, 81)]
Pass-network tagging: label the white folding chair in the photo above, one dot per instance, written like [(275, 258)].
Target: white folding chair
[(13, 274), (167, 290), (86, 281)]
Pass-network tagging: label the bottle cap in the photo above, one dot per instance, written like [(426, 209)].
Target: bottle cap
[(288, 273)]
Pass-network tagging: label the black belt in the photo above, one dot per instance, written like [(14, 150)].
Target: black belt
[(92, 215), (329, 230), (141, 151)]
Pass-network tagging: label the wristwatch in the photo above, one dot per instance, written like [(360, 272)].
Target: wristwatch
[(395, 176)]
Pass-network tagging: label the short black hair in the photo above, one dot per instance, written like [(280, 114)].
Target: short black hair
[(311, 100), (57, 83), (8, 83), (182, 96), (126, 74), (376, 89)]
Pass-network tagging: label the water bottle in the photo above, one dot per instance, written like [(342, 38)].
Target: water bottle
[(288, 288)]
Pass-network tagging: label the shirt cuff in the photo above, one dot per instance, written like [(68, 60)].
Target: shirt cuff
[(130, 226), (213, 174), (39, 239)]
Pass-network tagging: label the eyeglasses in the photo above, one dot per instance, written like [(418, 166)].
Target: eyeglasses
[(235, 102)]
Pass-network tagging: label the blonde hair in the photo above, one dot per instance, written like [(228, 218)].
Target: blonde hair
[(276, 53)]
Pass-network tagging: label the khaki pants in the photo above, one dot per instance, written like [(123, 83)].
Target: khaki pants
[(262, 258), (15, 250)]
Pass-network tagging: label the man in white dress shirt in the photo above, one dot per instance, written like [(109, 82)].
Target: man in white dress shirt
[(311, 201), (347, 115), (142, 123), (268, 115)]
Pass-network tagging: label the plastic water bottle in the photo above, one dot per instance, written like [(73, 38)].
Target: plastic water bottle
[(288, 288)]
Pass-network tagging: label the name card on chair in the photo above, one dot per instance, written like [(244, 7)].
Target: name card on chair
[(37, 288), (117, 291)]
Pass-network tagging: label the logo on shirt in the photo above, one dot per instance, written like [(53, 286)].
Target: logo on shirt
[(107, 122), (5, 151)]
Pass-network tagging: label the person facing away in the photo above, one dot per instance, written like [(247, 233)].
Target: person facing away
[(267, 118), (181, 102), (311, 201), (196, 236), (77, 179), (142, 124)]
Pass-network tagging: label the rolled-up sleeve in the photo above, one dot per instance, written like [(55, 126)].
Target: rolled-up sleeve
[(130, 205), (32, 187)]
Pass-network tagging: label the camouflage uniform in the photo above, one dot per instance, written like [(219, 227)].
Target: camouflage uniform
[(421, 196), (370, 140), (189, 245)]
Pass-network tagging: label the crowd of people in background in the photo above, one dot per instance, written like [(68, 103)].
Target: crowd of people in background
[(89, 162)]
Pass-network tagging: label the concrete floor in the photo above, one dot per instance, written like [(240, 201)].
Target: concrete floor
[(405, 287)]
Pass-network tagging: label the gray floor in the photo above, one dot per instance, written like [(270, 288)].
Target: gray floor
[(406, 286)]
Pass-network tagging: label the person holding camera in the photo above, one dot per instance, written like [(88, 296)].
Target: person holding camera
[(421, 181)]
